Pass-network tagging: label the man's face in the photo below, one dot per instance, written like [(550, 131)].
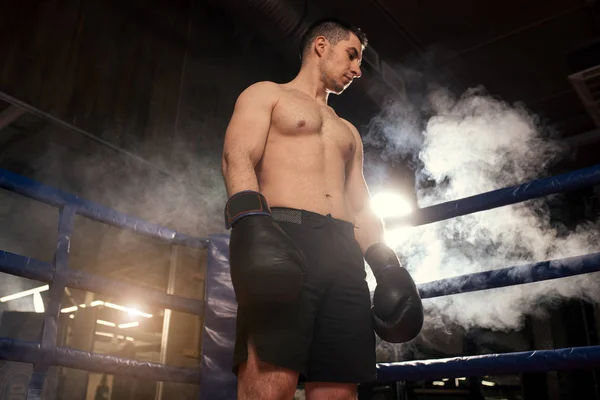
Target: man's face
[(341, 64)]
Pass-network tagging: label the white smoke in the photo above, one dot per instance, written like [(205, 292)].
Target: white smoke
[(469, 145)]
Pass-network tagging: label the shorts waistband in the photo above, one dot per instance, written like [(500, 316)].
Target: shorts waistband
[(303, 217)]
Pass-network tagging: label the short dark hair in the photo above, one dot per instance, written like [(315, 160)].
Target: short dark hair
[(334, 30)]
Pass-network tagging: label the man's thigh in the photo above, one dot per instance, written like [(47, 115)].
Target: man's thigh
[(343, 347), (330, 391), (258, 380)]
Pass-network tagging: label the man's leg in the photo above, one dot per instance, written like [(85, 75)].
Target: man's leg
[(330, 391), (258, 380), (342, 353)]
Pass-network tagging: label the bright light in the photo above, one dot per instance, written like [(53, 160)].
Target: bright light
[(106, 334), (488, 383), (25, 293), (72, 316), (129, 325), (38, 303), (438, 383), (96, 303), (395, 237), (130, 311), (82, 306), (457, 381), (106, 323), (129, 338), (390, 205), (69, 309)]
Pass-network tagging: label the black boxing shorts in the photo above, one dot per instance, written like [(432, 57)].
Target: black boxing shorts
[(327, 334)]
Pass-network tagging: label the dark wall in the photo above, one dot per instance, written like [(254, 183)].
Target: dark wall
[(158, 79), (117, 69), (223, 58), (109, 67)]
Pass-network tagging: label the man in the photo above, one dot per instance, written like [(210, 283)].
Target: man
[(301, 224)]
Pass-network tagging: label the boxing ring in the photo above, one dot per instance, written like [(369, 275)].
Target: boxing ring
[(218, 307)]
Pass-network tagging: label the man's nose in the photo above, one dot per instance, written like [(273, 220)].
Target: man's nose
[(356, 71)]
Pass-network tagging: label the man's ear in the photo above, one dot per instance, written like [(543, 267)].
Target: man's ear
[(321, 44)]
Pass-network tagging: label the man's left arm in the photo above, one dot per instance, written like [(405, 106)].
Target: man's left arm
[(397, 308), (368, 226)]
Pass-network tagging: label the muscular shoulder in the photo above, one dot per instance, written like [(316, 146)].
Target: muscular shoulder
[(261, 91), (354, 131)]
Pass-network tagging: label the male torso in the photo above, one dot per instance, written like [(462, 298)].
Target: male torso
[(306, 156)]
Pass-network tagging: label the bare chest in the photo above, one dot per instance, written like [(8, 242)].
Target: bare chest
[(304, 119)]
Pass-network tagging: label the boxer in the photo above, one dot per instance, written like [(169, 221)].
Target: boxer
[(302, 228)]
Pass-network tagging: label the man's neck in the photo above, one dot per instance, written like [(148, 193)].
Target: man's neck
[(309, 81)]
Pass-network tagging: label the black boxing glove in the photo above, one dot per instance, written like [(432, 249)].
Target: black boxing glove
[(265, 264), (397, 309)]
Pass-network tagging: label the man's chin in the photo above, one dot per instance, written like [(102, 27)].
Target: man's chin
[(338, 89)]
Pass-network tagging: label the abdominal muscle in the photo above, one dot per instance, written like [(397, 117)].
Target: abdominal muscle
[(306, 173)]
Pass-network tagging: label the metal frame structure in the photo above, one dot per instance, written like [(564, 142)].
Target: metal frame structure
[(45, 353), (529, 361)]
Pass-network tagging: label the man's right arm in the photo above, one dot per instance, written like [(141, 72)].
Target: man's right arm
[(264, 262), (246, 136)]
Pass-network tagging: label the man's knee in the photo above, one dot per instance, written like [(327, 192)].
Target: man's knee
[(265, 381), (260, 380), (330, 391)]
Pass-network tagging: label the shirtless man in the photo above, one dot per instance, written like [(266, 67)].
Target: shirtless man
[(302, 228)]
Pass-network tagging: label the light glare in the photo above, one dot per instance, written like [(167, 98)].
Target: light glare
[(129, 325), (38, 303), (106, 323), (24, 293), (390, 205)]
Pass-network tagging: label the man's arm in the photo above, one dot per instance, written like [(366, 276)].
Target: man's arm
[(368, 226), (246, 136), (397, 308), (264, 263)]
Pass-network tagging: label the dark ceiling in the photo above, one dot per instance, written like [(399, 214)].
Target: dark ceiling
[(517, 50)]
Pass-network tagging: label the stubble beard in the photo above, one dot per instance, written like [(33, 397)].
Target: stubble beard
[(333, 85)]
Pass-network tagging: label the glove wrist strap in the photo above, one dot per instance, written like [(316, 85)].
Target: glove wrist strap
[(243, 204)]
